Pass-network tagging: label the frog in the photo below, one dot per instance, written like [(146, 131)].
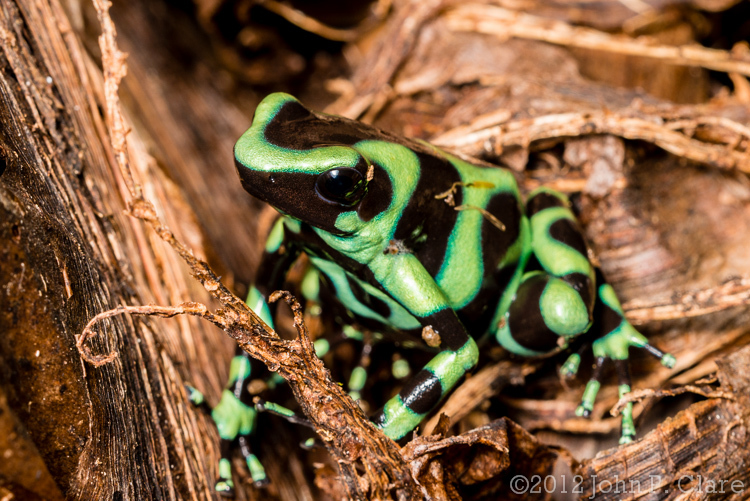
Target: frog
[(427, 246)]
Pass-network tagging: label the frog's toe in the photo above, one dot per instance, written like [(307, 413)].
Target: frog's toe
[(626, 439), (571, 366), (224, 488), (582, 411), (195, 396), (668, 360), (261, 483)]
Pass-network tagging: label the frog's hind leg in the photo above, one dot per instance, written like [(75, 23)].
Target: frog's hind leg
[(554, 300)]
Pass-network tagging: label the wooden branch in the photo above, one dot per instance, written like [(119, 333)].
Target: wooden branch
[(124, 429), (505, 23), (522, 132)]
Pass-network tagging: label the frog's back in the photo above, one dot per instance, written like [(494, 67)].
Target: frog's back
[(462, 222)]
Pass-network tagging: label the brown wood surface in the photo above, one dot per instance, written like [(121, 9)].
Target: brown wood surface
[(659, 177)]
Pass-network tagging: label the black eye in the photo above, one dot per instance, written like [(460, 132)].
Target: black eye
[(344, 186)]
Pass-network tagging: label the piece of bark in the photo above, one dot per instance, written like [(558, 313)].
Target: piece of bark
[(700, 453), (125, 430), (121, 431)]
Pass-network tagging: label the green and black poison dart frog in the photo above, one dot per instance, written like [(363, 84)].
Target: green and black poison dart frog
[(420, 242)]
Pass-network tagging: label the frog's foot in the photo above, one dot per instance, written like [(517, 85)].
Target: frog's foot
[(617, 337), (197, 399), (235, 422), (615, 346)]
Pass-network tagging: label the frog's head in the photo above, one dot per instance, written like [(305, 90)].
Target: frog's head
[(306, 164)]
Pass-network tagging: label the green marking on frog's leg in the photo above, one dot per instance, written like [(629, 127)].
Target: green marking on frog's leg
[(232, 417), (255, 467), (225, 485), (276, 236), (350, 332), (322, 346), (239, 368), (555, 256), (310, 285), (571, 365), (257, 302), (461, 273), (400, 368), (357, 381), (628, 426), (398, 317), (563, 309), (277, 409), (402, 413), (589, 397)]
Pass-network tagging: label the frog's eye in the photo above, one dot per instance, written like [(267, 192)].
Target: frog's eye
[(344, 186)]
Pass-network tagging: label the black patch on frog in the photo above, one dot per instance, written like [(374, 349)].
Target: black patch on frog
[(272, 272), (608, 319), (291, 193), (378, 419), (567, 232), (379, 195), (496, 242), (374, 303), (542, 201), (582, 284), (311, 243), (525, 317), (291, 111), (452, 332), (294, 127), (422, 392), (622, 367), (437, 218), (478, 314)]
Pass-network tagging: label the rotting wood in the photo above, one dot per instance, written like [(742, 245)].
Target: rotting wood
[(72, 263)]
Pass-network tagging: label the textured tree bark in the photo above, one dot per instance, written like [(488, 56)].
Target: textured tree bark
[(69, 430), (124, 430)]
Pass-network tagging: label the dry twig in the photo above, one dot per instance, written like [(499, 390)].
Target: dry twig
[(505, 23), (522, 132)]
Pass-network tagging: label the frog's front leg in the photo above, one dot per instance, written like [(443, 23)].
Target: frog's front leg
[(235, 418), (235, 414), (406, 280)]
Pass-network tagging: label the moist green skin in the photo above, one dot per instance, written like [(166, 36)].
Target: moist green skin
[(418, 238)]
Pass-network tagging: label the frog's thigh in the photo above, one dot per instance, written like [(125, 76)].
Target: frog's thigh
[(545, 312)]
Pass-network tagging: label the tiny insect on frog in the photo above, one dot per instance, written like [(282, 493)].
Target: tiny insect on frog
[(419, 242)]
